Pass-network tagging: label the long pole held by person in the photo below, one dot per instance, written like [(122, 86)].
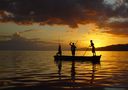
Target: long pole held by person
[(76, 42), (86, 50)]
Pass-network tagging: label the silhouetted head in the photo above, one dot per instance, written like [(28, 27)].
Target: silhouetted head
[(59, 45), (73, 43), (90, 40)]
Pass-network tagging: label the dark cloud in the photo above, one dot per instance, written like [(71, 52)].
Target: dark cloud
[(118, 28), (61, 12), (119, 32), (19, 34), (66, 12), (5, 36), (119, 25), (17, 42), (27, 31)]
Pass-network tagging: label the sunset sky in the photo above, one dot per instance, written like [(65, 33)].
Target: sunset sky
[(103, 21)]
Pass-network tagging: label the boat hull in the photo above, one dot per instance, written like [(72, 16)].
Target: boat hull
[(78, 58)]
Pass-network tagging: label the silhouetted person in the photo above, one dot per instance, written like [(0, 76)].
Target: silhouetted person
[(59, 53), (73, 48), (93, 48)]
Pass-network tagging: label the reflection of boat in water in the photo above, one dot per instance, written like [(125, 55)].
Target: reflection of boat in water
[(74, 74), (78, 58)]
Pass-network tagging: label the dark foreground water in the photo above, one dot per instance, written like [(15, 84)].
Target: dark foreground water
[(38, 68)]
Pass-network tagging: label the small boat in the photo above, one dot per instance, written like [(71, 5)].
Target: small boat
[(78, 58)]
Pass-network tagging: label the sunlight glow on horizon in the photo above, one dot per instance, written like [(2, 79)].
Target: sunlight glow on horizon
[(83, 34)]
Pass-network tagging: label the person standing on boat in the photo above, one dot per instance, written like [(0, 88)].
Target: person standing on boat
[(59, 53), (73, 48), (93, 48)]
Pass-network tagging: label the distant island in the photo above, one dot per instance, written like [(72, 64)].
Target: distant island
[(118, 47)]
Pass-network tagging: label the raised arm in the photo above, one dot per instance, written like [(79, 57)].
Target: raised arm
[(70, 43)]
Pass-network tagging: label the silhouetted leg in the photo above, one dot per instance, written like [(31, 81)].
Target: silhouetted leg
[(73, 53), (93, 54)]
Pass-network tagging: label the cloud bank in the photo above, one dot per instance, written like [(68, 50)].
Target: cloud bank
[(66, 12)]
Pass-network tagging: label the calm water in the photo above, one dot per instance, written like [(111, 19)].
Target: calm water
[(28, 68)]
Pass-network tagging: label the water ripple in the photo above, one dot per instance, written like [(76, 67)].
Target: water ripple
[(28, 68)]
